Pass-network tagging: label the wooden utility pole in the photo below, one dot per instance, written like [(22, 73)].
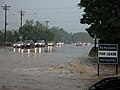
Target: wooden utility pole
[(5, 7), (21, 17)]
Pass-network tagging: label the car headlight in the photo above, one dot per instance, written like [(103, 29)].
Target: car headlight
[(18, 44), (28, 44)]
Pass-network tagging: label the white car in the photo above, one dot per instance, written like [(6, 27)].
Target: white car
[(18, 44), (40, 43), (50, 44), (60, 44), (78, 44)]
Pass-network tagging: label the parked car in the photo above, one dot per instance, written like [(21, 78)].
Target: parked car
[(29, 44), (18, 44), (40, 43), (110, 83)]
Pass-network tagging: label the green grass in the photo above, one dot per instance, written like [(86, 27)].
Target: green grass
[(93, 52)]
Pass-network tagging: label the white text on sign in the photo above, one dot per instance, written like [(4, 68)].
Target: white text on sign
[(107, 53)]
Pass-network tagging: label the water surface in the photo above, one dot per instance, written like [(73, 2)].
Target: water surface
[(31, 71)]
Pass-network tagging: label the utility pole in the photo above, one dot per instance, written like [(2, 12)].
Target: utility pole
[(47, 24), (5, 7), (21, 17)]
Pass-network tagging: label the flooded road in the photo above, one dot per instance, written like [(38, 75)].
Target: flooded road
[(44, 71)]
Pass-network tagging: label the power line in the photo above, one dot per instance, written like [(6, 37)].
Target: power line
[(46, 8), (5, 8)]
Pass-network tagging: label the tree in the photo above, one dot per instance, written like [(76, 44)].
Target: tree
[(35, 31), (83, 37), (27, 31), (103, 16), (9, 37), (1, 37), (59, 34), (16, 36)]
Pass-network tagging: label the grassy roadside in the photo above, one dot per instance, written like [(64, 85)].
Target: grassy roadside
[(93, 52)]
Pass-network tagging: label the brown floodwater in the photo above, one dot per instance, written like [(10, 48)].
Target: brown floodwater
[(48, 70)]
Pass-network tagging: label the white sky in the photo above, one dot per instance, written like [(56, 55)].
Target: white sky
[(62, 13)]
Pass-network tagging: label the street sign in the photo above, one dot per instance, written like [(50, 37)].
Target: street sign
[(108, 54)]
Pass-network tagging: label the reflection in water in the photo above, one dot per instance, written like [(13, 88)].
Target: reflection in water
[(38, 50), (37, 55), (28, 51), (19, 49), (22, 51), (50, 48), (16, 49), (59, 46), (21, 55), (28, 54), (32, 71)]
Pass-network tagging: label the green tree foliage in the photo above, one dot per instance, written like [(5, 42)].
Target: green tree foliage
[(63, 36), (60, 34), (35, 31), (16, 36), (103, 16), (9, 37), (27, 30), (1, 37), (83, 37)]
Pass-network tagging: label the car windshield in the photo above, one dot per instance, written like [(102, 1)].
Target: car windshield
[(27, 41), (40, 40), (19, 42)]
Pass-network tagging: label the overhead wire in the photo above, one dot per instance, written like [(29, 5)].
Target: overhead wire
[(56, 11), (45, 8)]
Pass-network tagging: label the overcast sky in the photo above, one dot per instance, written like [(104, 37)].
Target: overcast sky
[(62, 13)]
